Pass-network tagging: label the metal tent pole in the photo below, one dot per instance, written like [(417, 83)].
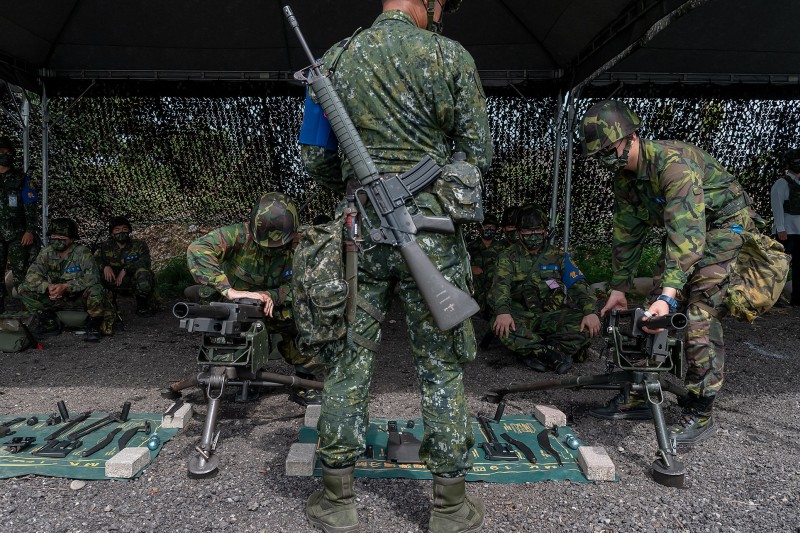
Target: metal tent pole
[(45, 143), (556, 164), (26, 133), (568, 179)]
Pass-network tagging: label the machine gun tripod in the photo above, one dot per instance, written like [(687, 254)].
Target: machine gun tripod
[(641, 360), (234, 349)]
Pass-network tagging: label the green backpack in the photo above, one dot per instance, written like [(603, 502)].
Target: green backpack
[(319, 288), (757, 277), (14, 333)]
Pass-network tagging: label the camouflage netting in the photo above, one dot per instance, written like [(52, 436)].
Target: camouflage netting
[(196, 161)]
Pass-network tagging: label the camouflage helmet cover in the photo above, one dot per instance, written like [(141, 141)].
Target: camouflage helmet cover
[(489, 220), (119, 221), (605, 123), (65, 227), (273, 220), (791, 160), (532, 217), (5, 142), (509, 217)]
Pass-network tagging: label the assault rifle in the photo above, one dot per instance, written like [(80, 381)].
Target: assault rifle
[(390, 196), (235, 347), (638, 361)]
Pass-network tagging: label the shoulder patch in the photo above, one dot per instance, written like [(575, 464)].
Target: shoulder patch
[(71, 269)]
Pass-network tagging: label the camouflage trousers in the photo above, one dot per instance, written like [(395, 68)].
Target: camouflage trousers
[(438, 358), (704, 293), (537, 332), (18, 258), (93, 300), (141, 284)]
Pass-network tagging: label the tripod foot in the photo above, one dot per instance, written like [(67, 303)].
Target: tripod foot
[(673, 475), (201, 468)]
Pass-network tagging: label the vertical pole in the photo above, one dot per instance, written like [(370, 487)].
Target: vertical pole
[(45, 143), (568, 179), (26, 132), (556, 163)]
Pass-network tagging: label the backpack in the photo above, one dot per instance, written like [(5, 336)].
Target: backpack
[(757, 277), (14, 333), (319, 288)]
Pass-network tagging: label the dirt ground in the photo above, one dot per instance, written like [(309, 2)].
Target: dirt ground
[(745, 479)]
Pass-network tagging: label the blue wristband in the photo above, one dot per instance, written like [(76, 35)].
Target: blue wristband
[(672, 302)]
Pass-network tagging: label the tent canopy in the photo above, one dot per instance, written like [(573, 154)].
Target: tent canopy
[(518, 45)]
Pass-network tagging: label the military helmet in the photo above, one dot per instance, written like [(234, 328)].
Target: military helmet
[(5, 142), (509, 217), (273, 220), (531, 217), (791, 160), (605, 123), (489, 219), (119, 221), (452, 6), (64, 226)]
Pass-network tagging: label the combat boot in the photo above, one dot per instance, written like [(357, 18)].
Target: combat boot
[(47, 324), (333, 509), (624, 407), (143, 307), (454, 511), (93, 329), (556, 361), (696, 424)]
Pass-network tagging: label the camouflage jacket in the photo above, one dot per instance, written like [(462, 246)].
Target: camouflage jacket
[(526, 283), (427, 100), (679, 187), (483, 256), (228, 257), (18, 206), (134, 256), (78, 269)]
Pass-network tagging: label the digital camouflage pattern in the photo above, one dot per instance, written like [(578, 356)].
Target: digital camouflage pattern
[(134, 257), (229, 257), (273, 220), (547, 312), (702, 206), (18, 214), (79, 271), (428, 98), (605, 123)]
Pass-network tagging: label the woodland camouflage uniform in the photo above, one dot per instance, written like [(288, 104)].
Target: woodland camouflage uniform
[(18, 214), (426, 98), (134, 258), (484, 257)]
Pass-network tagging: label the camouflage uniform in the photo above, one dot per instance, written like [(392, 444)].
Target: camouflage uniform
[(546, 298), (409, 93), (78, 270), (484, 257), (134, 258), (704, 209), (18, 214), (228, 257)]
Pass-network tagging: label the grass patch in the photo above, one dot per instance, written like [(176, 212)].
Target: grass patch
[(174, 277), (595, 263)]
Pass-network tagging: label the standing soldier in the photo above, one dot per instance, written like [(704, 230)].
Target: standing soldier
[(124, 265), (254, 260), (65, 275), (541, 299), (704, 210), (17, 218), (785, 201), (410, 92)]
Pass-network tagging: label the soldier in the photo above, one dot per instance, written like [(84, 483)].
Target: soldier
[(541, 299), (785, 201), (18, 216), (65, 275), (483, 253), (124, 265), (704, 210), (508, 226), (410, 92), (254, 260)]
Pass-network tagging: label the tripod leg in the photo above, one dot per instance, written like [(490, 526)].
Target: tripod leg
[(667, 470), (205, 462)]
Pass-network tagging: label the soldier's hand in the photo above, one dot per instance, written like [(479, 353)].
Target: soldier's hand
[(591, 323), (120, 277), (659, 308), (616, 300), (782, 236), (57, 290), (503, 325), (263, 297), (476, 270), (27, 239), (108, 274)]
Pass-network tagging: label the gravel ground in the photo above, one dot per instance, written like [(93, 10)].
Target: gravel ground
[(746, 479)]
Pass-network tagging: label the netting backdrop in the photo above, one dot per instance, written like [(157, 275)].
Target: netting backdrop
[(204, 161)]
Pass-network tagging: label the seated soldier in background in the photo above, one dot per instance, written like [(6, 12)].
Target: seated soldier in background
[(124, 265), (541, 300), (63, 276), (254, 260), (508, 227), (483, 253)]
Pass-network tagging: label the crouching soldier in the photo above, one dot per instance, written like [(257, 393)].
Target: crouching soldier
[(64, 276)]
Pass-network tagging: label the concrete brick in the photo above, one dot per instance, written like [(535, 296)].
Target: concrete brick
[(127, 462), (301, 459), (180, 419), (312, 415), (596, 464), (547, 415)]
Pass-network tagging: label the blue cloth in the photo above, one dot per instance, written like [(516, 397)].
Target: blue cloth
[(571, 272), (316, 130)]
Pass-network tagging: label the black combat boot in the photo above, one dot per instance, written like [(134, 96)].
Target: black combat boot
[(303, 396), (333, 509), (624, 406), (47, 324), (143, 307), (93, 329), (696, 423), (556, 361), (454, 511)]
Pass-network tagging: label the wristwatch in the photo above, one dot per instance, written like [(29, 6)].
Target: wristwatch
[(672, 302)]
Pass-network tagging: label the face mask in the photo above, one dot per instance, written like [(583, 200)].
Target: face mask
[(6, 160), (533, 241), (59, 245), (511, 236), (489, 234), (609, 159), (122, 237)]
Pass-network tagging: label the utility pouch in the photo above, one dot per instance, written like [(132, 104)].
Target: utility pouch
[(319, 288), (14, 334), (460, 190), (757, 277)]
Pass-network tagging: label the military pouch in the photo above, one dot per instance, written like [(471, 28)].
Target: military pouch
[(14, 334), (757, 277), (460, 190)]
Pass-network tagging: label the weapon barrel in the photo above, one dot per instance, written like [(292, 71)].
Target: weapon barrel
[(674, 321), (192, 310)]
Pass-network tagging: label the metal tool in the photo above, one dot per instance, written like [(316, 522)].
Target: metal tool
[(110, 419), (5, 427), (173, 409), (32, 421), (495, 450), (526, 451), (17, 444), (128, 435), (58, 448), (543, 438), (100, 445), (72, 422)]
